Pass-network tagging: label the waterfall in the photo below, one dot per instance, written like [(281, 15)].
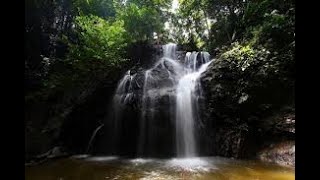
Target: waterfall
[(175, 80), (169, 51), (124, 90), (123, 95), (158, 80), (185, 110)]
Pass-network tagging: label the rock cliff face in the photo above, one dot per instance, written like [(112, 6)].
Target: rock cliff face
[(245, 113), (280, 153), (68, 117)]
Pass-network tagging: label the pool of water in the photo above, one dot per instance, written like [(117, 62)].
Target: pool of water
[(83, 167)]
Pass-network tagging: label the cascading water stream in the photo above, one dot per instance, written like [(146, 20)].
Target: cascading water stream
[(153, 88), (176, 80), (185, 109), (92, 137)]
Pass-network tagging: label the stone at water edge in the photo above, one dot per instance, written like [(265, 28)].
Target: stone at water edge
[(280, 153)]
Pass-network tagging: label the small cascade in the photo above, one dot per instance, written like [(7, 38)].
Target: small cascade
[(124, 91), (92, 137), (169, 51), (194, 60), (123, 95)]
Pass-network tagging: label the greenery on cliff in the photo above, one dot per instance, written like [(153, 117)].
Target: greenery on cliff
[(67, 41)]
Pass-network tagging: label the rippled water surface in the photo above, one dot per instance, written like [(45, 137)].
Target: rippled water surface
[(84, 167)]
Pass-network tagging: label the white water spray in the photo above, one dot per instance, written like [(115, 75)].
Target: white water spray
[(185, 109)]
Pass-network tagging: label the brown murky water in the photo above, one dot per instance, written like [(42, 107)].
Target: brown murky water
[(204, 168)]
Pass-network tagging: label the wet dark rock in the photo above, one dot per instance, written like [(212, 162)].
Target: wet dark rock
[(56, 152), (282, 153), (241, 114), (53, 153), (69, 116)]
